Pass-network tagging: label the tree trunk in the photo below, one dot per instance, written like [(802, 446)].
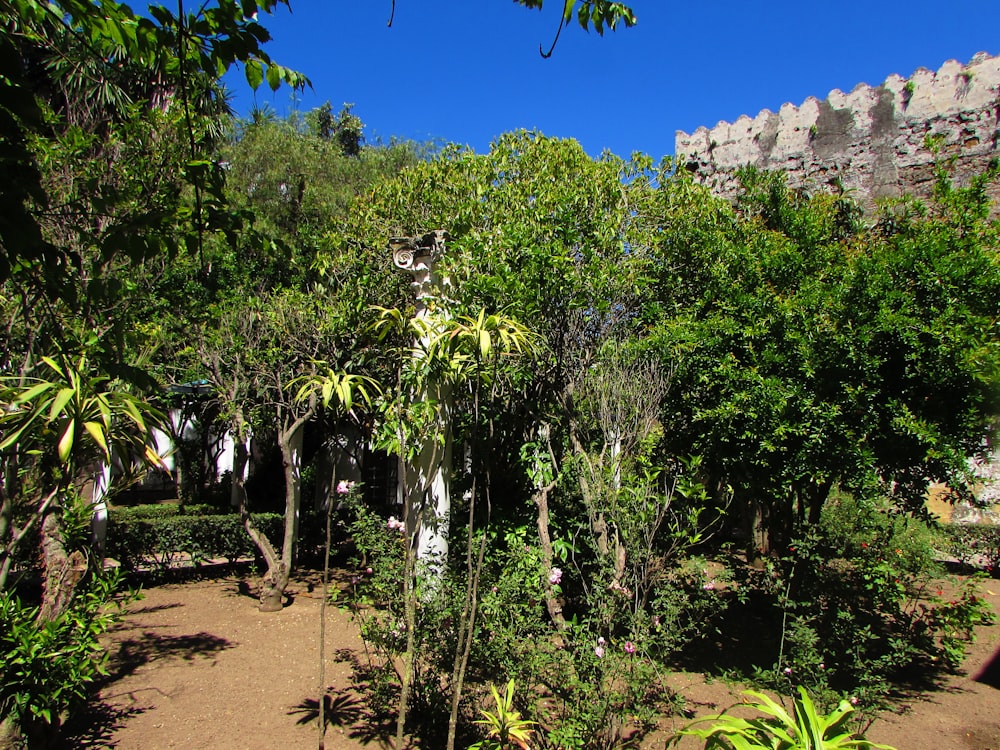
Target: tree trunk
[(817, 499), (552, 604), (290, 443), (272, 588), (241, 460), (756, 520), (275, 580), (63, 570), (17, 535), (7, 549)]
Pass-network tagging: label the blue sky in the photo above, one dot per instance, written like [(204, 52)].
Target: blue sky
[(465, 71)]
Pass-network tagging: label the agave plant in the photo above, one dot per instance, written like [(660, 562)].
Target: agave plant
[(806, 729)]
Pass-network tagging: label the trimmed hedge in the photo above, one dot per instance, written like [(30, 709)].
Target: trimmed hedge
[(159, 537), (161, 510), (162, 542)]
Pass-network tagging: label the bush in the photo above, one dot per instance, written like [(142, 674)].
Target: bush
[(595, 685), (859, 603), (161, 542), (45, 669), (160, 510)]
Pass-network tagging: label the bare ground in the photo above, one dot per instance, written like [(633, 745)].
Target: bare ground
[(195, 665)]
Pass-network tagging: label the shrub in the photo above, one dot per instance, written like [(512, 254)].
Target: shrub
[(859, 604), (45, 669), (160, 542), (595, 685)]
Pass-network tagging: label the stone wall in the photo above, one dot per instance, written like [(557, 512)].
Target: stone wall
[(873, 140)]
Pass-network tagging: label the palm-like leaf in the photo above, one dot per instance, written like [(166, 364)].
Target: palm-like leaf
[(777, 729), (72, 412), (506, 725), (337, 388)]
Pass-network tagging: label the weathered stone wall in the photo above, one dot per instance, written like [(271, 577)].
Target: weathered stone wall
[(873, 140)]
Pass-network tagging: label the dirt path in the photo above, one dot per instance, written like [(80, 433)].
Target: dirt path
[(965, 713), (195, 665)]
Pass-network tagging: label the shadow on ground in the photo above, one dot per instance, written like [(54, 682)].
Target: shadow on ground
[(95, 726), (990, 674), (340, 709), (135, 652)]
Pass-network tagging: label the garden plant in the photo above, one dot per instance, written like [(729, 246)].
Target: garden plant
[(618, 415)]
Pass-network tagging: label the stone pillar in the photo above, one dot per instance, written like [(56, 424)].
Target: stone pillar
[(425, 468)]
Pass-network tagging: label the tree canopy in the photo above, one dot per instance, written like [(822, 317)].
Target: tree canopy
[(628, 362)]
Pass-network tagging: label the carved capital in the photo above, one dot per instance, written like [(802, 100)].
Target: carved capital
[(417, 254)]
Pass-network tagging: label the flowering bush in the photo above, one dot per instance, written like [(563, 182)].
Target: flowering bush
[(859, 603)]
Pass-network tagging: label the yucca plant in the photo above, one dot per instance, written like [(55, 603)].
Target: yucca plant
[(777, 730), (505, 728)]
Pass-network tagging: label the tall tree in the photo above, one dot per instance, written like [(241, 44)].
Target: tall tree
[(815, 352)]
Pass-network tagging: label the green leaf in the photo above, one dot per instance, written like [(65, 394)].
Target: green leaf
[(274, 76), (65, 446), (485, 344), (32, 393), (96, 431), (133, 412), (59, 402), (254, 73), (54, 366)]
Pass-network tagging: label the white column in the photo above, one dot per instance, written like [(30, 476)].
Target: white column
[(427, 479)]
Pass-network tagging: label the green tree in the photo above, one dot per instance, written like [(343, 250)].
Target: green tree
[(139, 65), (265, 316), (106, 122), (813, 352), (538, 227)]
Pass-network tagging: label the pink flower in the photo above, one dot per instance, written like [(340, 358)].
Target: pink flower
[(369, 571), (555, 576), (629, 647), (599, 652), (601, 641), (395, 525), (343, 487), (656, 620)]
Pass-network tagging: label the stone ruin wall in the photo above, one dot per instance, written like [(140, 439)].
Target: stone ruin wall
[(873, 140)]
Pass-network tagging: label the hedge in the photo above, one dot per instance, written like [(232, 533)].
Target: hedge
[(161, 536), (161, 510), (160, 543)]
